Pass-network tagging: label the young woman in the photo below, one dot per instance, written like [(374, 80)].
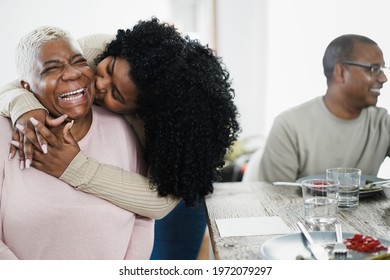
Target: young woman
[(178, 97)]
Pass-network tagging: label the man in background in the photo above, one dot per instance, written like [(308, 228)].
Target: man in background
[(342, 128)]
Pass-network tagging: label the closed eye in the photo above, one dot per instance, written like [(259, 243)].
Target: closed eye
[(81, 61), (108, 70), (51, 69), (116, 94)]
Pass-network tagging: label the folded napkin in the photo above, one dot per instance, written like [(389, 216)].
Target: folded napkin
[(251, 226)]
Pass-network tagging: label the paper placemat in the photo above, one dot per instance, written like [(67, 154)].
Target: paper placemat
[(251, 226)]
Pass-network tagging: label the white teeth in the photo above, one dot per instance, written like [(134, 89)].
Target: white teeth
[(64, 95), (72, 97), (377, 90)]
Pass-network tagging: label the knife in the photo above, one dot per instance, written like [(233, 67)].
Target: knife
[(318, 252), (295, 184)]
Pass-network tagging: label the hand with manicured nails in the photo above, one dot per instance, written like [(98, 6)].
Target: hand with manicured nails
[(61, 149), (25, 138)]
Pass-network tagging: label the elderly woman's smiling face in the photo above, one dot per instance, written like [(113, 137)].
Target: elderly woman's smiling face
[(62, 81)]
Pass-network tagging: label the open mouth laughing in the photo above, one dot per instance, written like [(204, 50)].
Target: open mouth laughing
[(376, 91), (73, 95)]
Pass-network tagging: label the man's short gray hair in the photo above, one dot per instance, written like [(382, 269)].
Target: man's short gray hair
[(29, 45)]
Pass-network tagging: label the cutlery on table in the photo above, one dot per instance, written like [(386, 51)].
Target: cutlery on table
[(373, 184), (340, 251), (318, 252), (286, 184)]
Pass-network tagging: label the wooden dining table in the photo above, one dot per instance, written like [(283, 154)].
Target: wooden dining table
[(260, 199)]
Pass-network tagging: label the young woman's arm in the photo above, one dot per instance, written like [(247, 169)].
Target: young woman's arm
[(127, 190), (16, 101)]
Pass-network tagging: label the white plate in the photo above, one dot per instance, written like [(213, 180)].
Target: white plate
[(288, 247), (364, 179)]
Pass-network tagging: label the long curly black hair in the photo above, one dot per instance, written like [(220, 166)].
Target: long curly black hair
[(186, 103)]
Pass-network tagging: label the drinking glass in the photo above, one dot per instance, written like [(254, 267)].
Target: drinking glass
[(320, 202), (349, 179)]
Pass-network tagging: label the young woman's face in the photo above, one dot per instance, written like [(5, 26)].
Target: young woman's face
[(114, 88)]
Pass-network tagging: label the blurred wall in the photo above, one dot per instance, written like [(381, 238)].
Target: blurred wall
[(242, 41)]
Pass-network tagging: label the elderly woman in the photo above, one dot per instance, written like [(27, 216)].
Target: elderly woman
[(43, 217), (177, 95)]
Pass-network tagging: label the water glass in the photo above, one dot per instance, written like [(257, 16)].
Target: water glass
[(349, 179), (321, 202)]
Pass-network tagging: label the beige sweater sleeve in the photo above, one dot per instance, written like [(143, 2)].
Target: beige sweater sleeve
[(16, 101), (127, 190)]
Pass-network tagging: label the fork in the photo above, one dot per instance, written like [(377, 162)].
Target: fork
[(340, 251), (373, 184)]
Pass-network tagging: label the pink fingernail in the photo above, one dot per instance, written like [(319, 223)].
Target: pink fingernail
[(19, 127), (15, 143), (44, 148), (34, 121)]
